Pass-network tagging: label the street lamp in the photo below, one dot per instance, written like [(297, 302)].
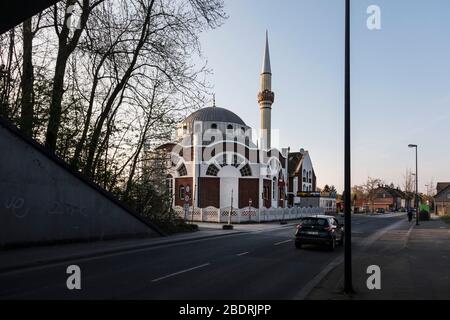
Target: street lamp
[(417, 184), (348, 286)]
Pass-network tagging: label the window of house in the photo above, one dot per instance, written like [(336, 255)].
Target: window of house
[(230, 127), (169, 185), (212, 171), (214, 126)]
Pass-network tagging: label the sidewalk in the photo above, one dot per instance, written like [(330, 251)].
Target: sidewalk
[(15, 259), (414, 262)]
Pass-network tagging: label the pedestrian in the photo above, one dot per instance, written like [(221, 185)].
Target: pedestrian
[(410, 215)]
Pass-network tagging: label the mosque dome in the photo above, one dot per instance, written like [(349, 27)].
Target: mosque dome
[(215, 114)]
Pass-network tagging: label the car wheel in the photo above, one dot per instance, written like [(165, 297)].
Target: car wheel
[(298, 245)]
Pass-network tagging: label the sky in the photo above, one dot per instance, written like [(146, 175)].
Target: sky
[(400, 82)]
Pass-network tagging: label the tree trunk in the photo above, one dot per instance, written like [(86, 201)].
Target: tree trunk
[(66, 48), (27, 113)]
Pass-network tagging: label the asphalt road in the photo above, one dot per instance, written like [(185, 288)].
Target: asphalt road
[(259, 265)]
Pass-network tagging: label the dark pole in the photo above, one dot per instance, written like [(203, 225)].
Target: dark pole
[(417, 192), (348, 286)]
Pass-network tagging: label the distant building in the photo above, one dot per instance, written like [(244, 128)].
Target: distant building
[(442, 198), (324, 200), (387, 198), (302, 178)]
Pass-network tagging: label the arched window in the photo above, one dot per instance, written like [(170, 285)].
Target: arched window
[(182, 171), (304, 187), (246, 171), (230, 127), (310, 176), (214, 126), (304, 175), (212, 171), (181, 192)]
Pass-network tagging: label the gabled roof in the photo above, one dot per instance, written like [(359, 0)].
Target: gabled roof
[(294, 162), (392, 191), (442, 187)]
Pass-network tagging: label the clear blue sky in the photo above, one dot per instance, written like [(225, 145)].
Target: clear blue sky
[(400, 81)]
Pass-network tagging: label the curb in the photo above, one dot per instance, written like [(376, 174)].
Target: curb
[(101, 253)]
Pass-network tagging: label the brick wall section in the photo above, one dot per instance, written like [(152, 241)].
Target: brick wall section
[(248, 189), (209, 194), (182, 182)]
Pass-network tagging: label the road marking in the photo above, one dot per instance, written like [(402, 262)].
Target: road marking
[(180, 272), (282, 242), (242, 254), (408, 234)]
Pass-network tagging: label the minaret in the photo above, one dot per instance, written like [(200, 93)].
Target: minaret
[(266, 97)]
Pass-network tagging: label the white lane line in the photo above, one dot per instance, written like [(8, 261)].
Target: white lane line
[(242, 254), (282, 242), (180, 272), (408, 234)]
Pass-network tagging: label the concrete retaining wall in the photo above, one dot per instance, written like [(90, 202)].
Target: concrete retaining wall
[(42, 200)]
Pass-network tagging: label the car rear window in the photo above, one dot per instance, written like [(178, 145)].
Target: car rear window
[(314, 222)]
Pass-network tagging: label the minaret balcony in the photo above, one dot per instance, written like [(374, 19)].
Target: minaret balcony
[(266, 96)]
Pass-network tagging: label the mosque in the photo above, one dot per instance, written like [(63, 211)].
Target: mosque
[(214, 161)]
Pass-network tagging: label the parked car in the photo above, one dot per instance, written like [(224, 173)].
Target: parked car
[(320, 230), (380, 210)]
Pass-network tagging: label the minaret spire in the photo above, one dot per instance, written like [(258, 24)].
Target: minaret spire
[(266, 60), (266, 97)]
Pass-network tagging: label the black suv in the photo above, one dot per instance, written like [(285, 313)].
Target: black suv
[(321, 230)]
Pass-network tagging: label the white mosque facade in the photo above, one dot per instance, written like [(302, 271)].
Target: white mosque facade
[(215, 163)]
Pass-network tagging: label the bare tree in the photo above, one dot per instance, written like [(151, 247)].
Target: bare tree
[(370, 186), (66, 46)]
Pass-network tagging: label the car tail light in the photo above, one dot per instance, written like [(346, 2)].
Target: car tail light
[(329, 229), (299, 226)]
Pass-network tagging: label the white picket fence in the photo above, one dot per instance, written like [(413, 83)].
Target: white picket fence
[(249, 214)]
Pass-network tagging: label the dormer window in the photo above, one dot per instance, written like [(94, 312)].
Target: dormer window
[(214, 126), (230, 127)]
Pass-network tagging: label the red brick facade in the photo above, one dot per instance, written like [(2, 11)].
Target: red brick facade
[(179, 183), (248, 189), (209, 192)]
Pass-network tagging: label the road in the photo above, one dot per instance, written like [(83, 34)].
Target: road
[(256, 265)]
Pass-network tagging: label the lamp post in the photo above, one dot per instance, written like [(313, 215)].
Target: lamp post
[(348, 286), (417, 185)]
